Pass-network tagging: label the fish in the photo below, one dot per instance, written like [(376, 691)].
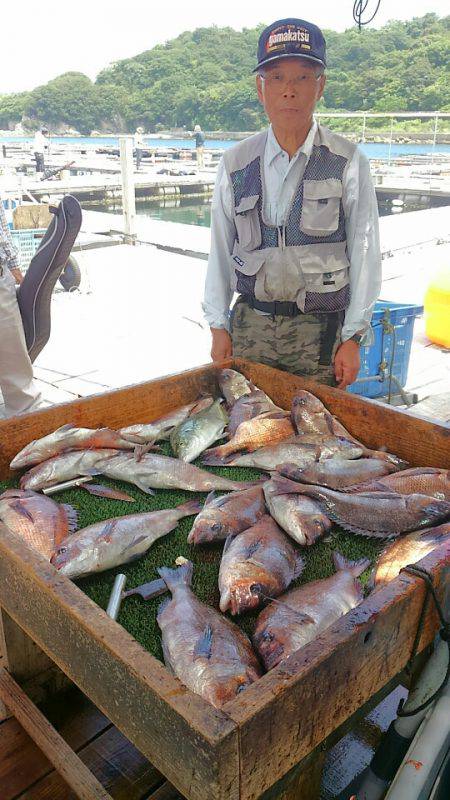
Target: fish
[(154, 471), (227, 515), (195, 434), (301, 450), (377, 514), (407, 550), (108, 492), (39, 520), (116, 541), (258, 564), (160, 429), (311, 418), (64, 467), (299, 616), (233, 385), (300, 517), (249, 406), (337, 473), (431, 481), (205, 650), (68, 438), (267, 429)]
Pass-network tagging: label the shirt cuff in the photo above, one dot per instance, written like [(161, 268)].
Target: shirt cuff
[(216, 319)]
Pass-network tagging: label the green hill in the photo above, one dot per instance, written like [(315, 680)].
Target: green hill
[(206, 76)]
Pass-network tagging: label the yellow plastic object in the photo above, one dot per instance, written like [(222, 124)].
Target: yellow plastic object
[(437, 308)]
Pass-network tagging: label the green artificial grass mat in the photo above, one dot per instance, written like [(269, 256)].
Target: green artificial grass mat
[(137, 616)]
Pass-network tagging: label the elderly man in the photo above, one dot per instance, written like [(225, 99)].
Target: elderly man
[(19, 390), (294, 227)]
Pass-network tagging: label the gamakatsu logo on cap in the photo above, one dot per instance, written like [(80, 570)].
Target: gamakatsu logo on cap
[(282, 36)]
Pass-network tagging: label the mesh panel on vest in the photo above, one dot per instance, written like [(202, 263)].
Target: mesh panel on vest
[(329, 301), (247, 181)]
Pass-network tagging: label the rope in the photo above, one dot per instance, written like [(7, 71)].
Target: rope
[(419, 572), (359, 7)]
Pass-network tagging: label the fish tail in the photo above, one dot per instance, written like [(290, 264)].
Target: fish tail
[(177, 577), (71, 516), (212, 458), (216, 453), (191, 507), (343, 564)]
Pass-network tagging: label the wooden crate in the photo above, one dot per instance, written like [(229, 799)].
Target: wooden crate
[(251, 748)]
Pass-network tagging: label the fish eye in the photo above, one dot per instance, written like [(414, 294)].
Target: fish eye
[(61, 551), (241, 688)]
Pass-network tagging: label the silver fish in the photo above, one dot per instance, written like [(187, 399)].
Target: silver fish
[(227, 515), (154, 471), (68, 438), (257, 564), (337, 473), (116, 541), (160, 429), (196, 433), (300, 450), (206, 651), (249, 406), (301, 615), (233, 385), (301, 517), (63, 468)]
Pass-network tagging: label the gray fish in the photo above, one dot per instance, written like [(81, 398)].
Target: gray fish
[(257, 564), (300, 450), (69, 438), (311, 418), (154, 471), (63, 468), (407, 550), (116, 541), (233, 385), (192, 436), (160, 429), (204, 649), (301, 517), (302, 614), (227, 515), (378, 514), (337, 473)]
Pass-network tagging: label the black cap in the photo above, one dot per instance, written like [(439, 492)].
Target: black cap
[(289, 38)]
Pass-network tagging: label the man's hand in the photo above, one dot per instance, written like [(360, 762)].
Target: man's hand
[(346, 363), (222, 346), (17, 275)]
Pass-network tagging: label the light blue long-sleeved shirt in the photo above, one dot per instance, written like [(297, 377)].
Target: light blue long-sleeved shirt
[(281, 177)]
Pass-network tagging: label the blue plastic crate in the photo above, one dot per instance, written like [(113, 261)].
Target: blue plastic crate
[(396, 345), (27, 242)]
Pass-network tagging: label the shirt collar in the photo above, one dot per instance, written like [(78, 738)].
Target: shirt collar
[(273, 149)]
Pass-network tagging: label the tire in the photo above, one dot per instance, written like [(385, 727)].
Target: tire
[(70, 277)]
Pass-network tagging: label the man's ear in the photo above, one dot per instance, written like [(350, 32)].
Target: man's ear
[(259, 89)]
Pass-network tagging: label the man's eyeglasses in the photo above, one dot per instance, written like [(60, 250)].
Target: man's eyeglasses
[(276, 80)]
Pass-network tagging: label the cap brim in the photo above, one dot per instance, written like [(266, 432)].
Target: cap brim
[(288, 55)]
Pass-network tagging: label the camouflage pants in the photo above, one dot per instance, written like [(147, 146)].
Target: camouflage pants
[(292, 344)]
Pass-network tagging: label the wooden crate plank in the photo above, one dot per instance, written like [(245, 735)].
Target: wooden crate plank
[(190, 742), (119, 766), (23, 763), (293, 709), (417, 440), (165, 792), (78, 776)]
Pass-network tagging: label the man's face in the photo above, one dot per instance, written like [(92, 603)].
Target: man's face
[(289, 90)]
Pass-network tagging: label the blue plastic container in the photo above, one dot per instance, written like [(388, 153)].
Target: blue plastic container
[(27, 242), (394, 345)]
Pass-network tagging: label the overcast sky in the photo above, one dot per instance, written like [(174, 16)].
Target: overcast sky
[(41, 40)]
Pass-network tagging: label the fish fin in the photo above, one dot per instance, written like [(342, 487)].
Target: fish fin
[(162, 606), (134, 543), (203, 647), (281, 485), (299, 565), (176, 577), (210, 497), (142, 486), (211, 460), (21, 509), (343, 564), (98, 490), (302, 616), (141, 449), (191, 507), (109, 528), (252, 548), (67, 427), (228, 542), (93, 470), (72, 516)]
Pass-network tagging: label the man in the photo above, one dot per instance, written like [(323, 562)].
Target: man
[(19, 390), (40, 145), (294, 227), (139, 146), (199, 145)]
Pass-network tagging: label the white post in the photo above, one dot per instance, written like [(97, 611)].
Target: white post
[(390, 139), (436, 120), (363, 135), (128, 198)]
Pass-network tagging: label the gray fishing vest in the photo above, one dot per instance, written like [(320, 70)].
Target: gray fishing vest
[(304, 261)]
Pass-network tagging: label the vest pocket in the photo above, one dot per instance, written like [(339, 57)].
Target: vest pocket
[(321, 207), (247, 222), (245, 267)]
